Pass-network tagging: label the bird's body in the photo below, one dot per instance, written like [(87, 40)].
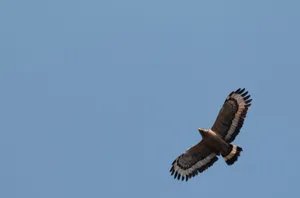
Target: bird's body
[(213, 140), (217, 140)]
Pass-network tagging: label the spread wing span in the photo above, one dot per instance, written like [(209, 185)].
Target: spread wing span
[(195, 160), (231, 117)]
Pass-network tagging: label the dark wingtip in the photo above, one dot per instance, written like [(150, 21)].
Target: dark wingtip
[(173, 162), (178, 177), (172, 168), (172, 173), (247, 97), (238, 90), (175, 174), (244, 94), (242, 90), (248, 101)]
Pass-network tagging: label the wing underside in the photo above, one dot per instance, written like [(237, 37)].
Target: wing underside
[(195, 160), (231, 117)]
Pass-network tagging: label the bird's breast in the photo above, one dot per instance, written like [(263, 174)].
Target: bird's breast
[(214, 140)]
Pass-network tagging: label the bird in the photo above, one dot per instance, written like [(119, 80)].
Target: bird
[(217, 140)]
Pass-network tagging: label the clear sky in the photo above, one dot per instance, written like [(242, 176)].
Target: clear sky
[(99, 97)]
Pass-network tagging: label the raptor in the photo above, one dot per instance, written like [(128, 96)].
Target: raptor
[(217, 140)]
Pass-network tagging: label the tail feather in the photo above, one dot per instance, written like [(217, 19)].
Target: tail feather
[(232, 157)]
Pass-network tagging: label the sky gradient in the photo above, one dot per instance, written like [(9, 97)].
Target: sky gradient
[(99, 97)]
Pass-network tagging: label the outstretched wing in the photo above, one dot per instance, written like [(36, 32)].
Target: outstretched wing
[(231, 117), (195, 160)]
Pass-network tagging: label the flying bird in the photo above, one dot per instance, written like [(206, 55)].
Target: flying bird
[(217, 140)]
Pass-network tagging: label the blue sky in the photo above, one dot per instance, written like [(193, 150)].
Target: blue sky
[(99, 97)]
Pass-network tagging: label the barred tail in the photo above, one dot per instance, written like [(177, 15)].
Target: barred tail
[(232, 157)]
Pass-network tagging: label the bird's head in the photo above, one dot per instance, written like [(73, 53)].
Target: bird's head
[(202, 131)]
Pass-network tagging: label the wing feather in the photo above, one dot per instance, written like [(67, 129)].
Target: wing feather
[(195, 160), (231, 117)]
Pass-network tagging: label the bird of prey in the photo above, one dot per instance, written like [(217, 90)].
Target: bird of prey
[(217, 140)]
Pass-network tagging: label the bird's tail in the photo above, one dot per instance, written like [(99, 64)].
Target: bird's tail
[(232, 155)]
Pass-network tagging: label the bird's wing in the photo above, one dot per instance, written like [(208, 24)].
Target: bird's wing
[(231, 117), (195, 160)]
